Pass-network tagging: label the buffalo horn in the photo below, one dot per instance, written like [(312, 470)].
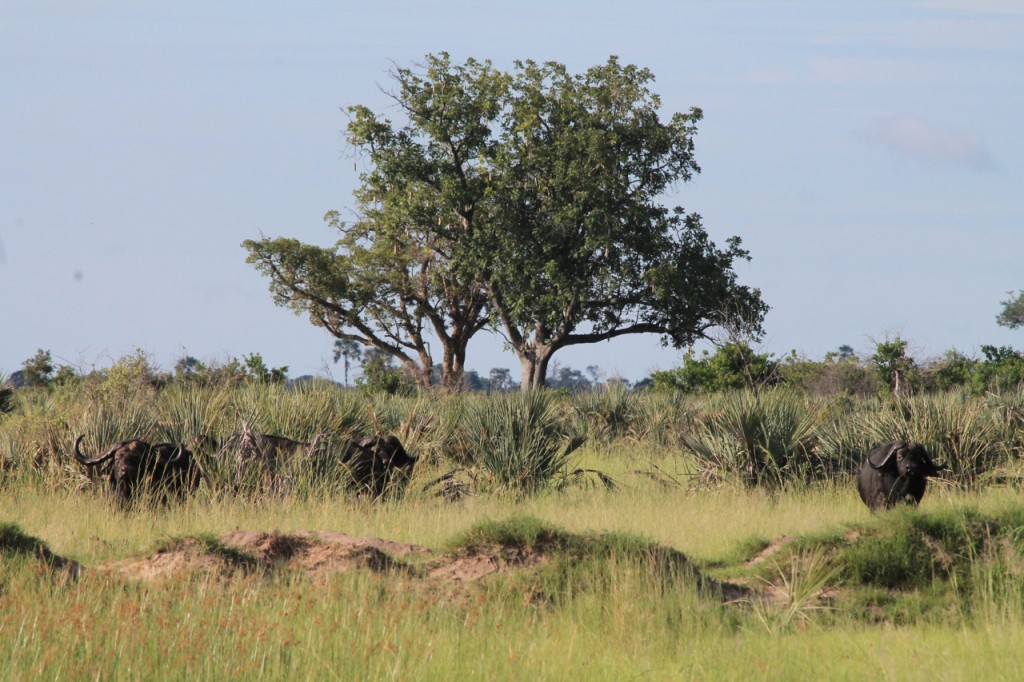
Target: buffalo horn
[(91, 462), (177, 454)]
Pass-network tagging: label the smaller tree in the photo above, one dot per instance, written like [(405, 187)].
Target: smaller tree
[(501, 379), (567, 378), (472, 381), (257, 370), (894, 367), (348, 351), (1012, 315), (839, 373), (952, 370), (38, 370), (188, 368), (380, 375), (1003, 367), (733, 365)]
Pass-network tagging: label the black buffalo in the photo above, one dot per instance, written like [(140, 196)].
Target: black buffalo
[(895, 473), (377, 464), (165, 469)]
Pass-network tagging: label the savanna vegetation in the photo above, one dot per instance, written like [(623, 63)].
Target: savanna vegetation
[(682, 534), (702, 524)]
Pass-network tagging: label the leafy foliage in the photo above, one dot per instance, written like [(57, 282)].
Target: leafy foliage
[(38, 370), (525, 199), (1012, 314), (581, 163), (731, 366)]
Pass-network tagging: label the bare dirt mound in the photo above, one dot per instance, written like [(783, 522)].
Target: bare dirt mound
[(313, 553), (482, 562), (183, 557), (319, 554)]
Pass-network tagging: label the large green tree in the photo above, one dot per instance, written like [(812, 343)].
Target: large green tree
[(530, 198), (583, 251)]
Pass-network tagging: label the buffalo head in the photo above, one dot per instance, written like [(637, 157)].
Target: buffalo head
[(377, 464)]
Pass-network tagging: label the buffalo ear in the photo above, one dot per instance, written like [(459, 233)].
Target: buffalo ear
[(886, 454)]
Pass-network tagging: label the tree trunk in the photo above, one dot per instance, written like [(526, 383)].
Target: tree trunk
[(453, 368), (424, 375), (534, 362)]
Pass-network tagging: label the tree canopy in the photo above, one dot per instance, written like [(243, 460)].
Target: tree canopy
[(1012, 315), (527, 200)]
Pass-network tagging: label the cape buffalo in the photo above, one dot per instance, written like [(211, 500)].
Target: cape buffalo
[(894, 473), (255, 459), (164, 467), (377, 463)]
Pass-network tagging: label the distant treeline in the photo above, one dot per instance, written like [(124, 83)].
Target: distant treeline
[(890, 368)]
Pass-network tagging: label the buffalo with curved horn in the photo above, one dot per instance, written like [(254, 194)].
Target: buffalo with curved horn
[(377, 464), (164, 467), (894, 473)]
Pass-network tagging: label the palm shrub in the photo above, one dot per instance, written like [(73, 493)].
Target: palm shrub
[(40, 438), (430, 431), (299, 413), (1008, 409), (188, 412), (6, 395), (955, 427), (664, 417), (388, 412), (958, 429), (518, 442), (762, 440), (606, 413), (303, 412), (844, 434), (322, 416)]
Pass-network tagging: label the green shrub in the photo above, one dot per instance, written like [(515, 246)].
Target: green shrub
[(765, 440), (732, 366), (837, 374), (518, 442), (606, 413)]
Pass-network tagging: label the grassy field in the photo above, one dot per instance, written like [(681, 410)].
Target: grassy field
[(687, 569), (627, 623)]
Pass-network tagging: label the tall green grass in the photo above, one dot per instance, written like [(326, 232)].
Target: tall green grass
[(602, 607), (774, 440)]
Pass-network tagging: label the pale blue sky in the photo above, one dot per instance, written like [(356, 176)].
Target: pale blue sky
[(869, 154)]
